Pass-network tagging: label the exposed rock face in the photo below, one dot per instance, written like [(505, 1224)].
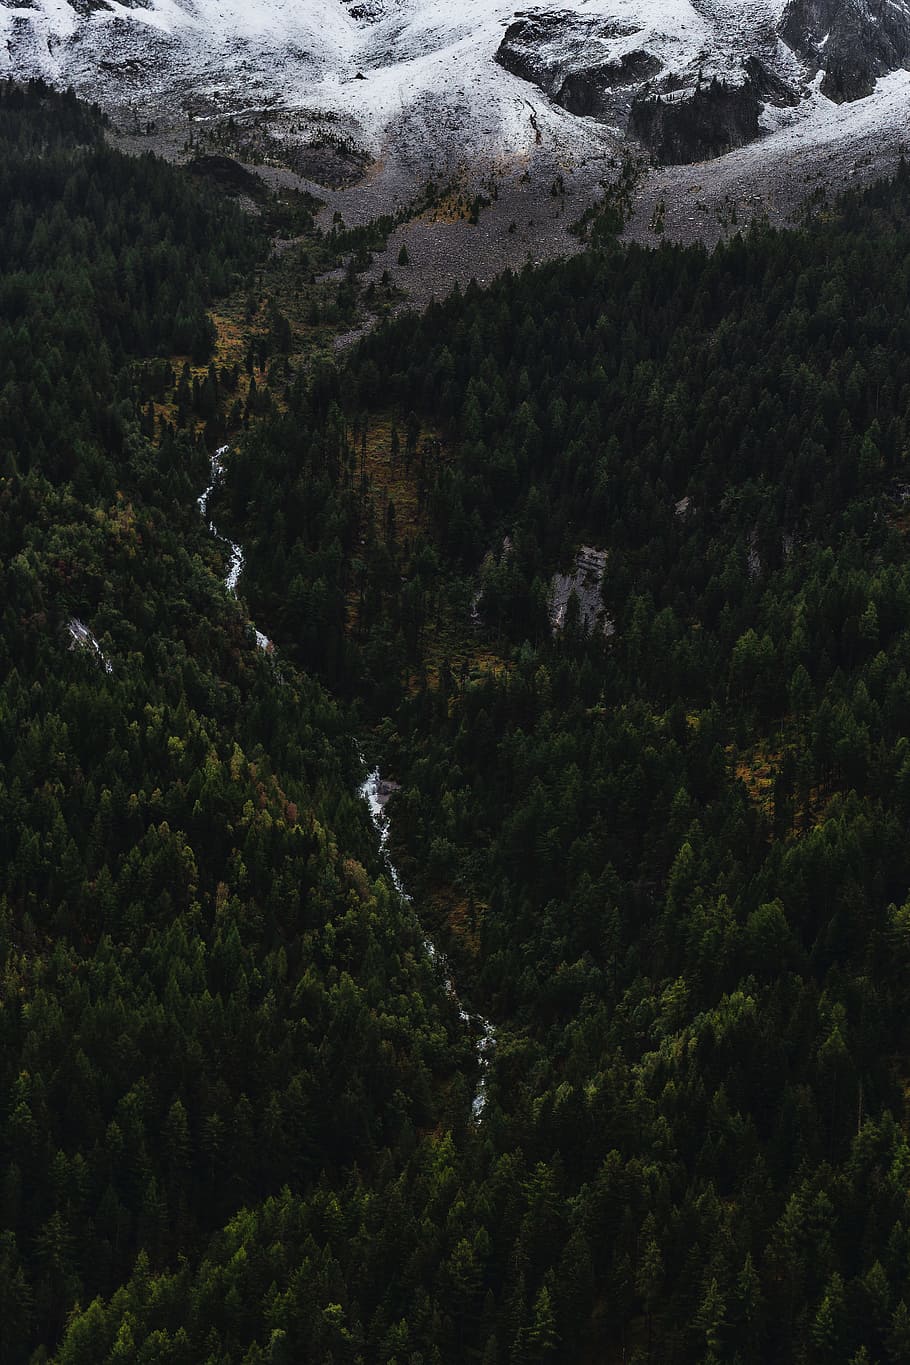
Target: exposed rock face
[(587, 91), (687, 104), (698, 124), (86, 7), (584, 583), (229, 176), (694, 125), (558, 53), (326, 164), (852, 41), (597, 68), (768, 86), (321, 71)]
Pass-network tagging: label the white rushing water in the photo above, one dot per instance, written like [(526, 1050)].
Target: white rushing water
[(82, 638), (376, 793), (235, 560)]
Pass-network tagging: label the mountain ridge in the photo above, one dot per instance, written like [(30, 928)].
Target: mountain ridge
[(431, 75)]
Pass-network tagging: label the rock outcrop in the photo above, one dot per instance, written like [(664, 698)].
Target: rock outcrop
[(584, 584), (557, 52), (852, 41), (716, 116), (686, 105), (697, 124), (605, 70), (692, 79)]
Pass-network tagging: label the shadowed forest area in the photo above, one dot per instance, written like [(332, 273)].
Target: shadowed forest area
[(670, 863)]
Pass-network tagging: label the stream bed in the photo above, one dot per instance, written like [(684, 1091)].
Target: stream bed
[(375, 792), (235, 559)]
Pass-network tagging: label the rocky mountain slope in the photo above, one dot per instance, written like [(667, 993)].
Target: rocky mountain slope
[(430, 80), (850, 42), (694, 85)]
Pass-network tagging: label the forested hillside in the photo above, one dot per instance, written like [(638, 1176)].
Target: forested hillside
[(667, 856), (670, 860), (207, 998)]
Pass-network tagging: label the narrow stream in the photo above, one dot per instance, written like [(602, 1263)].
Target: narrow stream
[(235, 562), (372, 792)]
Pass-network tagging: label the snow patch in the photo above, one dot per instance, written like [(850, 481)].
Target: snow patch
[(415, 79)]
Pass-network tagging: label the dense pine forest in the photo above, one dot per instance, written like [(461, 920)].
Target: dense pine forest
[(209, 1001), (664, 848)]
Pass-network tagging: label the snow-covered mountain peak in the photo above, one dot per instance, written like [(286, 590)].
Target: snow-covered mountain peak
[(435, 78)]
